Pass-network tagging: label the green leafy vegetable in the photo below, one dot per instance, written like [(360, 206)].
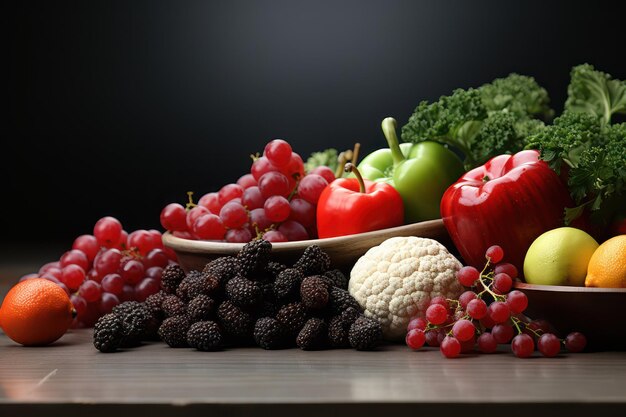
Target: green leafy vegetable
[(593, 150), (327, 157), (596, 93), (485, 121)]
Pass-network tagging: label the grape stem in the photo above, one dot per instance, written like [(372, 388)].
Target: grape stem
[(496, 297), (190, 204)]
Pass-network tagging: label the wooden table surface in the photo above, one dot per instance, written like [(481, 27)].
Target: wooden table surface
[(72, 378)]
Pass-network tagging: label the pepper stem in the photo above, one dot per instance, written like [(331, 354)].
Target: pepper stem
[(389, 130), (352, 168)]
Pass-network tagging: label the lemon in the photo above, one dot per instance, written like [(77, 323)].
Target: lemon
[(559, 257)]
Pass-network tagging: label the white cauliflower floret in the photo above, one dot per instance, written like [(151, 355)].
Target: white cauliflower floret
[(395, 281)]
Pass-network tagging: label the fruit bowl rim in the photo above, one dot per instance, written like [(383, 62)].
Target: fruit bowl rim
[(189, 245), (570, 289)]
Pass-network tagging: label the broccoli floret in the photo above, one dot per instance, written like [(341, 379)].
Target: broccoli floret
[(596, 93), (482, 122), (327, 157)]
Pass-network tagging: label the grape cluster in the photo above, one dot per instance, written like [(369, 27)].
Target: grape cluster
[(107, 268), (276, 201), (250, 299), (486, 315)]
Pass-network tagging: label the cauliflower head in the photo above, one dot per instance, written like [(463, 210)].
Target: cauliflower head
[(395, 281)]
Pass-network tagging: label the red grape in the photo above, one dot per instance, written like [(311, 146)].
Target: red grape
[(274, 183), (146, 288), (467, 276), (436, 314), (522, 345), (502, 283), (107, 302), (185, 235), (325, 172), (506, 268), (302, 211), (54, 272), (499, 312), (487, 343), (293, 231), (477, 309), (94, 275), (90, 291), (417, 323), (440, 299), (132, 271), (128, 293), (294, 170), (516, 301), (415, 338), (242, 235), (252, 198), (79, 303), (155, 272), (49, 265), (450, 347), (246, 181), (463, 330), (233, 215), (211, 201), (122, 243), (311, 187), (73, 276), (107, 231), (502, 333), (278, 152), (156, 257), (75, 257), (432, 338), (277, 208), (549, 345), (468, 345), (28, 276), (261, 166), (274, 236), (88, 245), (174, 217), (113, 283), (466, 297), (144, 241), (575, 342), (487, 322), (209, 227), (228, 192), (259, 219), (494, 254)]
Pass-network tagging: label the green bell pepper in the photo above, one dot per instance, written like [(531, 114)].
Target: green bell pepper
[(420, 172)]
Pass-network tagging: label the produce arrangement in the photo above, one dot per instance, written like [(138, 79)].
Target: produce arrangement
[(244, 300), (525, 198)]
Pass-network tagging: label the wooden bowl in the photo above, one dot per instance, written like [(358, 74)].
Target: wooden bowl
[(343, 251), (596, 312)]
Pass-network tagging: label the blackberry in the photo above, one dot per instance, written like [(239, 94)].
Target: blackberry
[(269, 333), (108, 333), (336, 278), (200, 308), (267, 290), (339, 327), (287, 284), (340, 300), (365, 334), (171, 278), (268, 309), (223, 269), (313, 335), (210, 285), (275, 268), (235, 321), (191, 286), (292, 317), (126, 307), (205, 335), (173, 331), (243, 293), (314, 293), (172, 306), (313, 261), (254, 257), (137, 322), (153, 303)]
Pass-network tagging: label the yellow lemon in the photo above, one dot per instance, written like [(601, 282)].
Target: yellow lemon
[(607, 267), (559, 257)]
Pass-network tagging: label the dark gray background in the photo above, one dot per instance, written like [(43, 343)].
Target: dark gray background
[(117, 108)]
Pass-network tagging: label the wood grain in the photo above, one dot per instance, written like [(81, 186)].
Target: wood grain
[(72, 377)]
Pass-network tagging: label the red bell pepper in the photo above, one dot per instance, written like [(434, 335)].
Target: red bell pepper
[(352, 205), (509, 201)]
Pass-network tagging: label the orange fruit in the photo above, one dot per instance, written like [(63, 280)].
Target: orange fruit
[(607, 266), (36, 312)]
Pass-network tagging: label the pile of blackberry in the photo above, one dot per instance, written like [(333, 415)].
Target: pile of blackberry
[(247, 300)]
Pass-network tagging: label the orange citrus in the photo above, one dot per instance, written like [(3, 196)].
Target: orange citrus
[(607, 266), (36, 312)]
